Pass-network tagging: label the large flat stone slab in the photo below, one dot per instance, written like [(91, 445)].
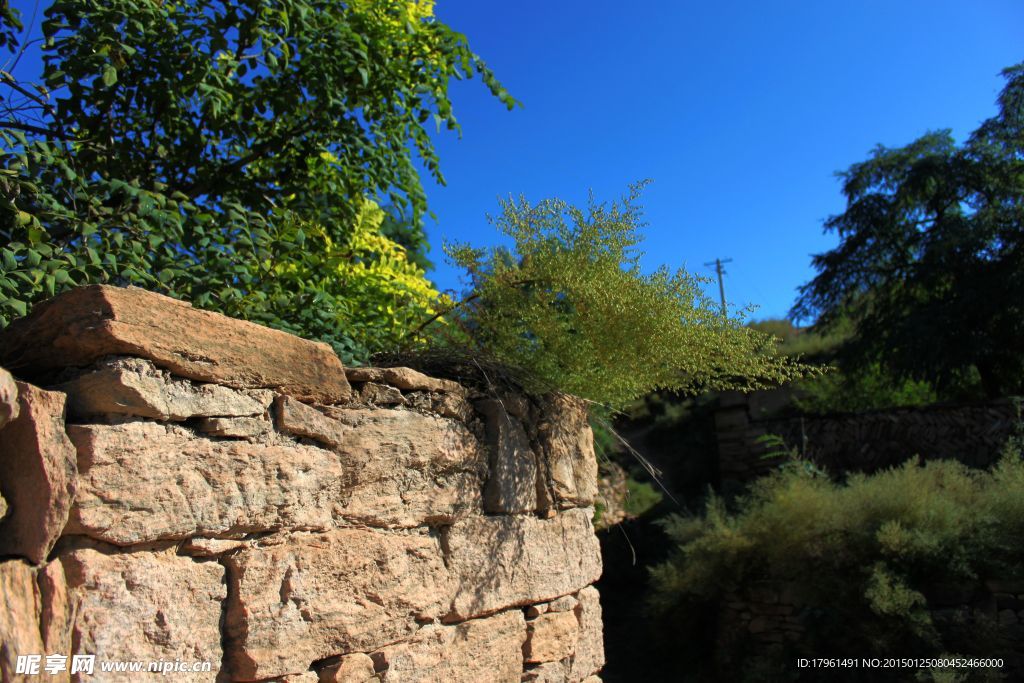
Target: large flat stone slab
[(146, 606), (144, 481), (513, 479), (134, 386), (488, 649), (505, 561), (37, 474), (319, 595), (84, 324)]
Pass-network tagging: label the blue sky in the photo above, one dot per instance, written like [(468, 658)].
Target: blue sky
[(740, 112)]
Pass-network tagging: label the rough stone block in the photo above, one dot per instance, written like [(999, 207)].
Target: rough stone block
[(588, 657), (8, 398), (505, 561), (84, 324), (37, 475), (354, 668), (404, 378), (134, 386), (143, 481), (551, 637), (477, 650), (513, 479), (568, 445), (295, 417), (146, 606), (19, 618), (318, 595), (252, 428), (381, 395)]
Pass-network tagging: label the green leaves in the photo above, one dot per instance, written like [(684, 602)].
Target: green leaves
[(212, 150), (566, 302)]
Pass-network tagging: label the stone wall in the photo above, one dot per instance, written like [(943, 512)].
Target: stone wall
[(862, 442), (181, 487)]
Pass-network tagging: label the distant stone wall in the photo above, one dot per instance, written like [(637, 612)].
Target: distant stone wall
[(768, 618), (181, 487), (864, 442)]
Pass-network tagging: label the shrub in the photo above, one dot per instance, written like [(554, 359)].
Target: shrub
[(863, 557)]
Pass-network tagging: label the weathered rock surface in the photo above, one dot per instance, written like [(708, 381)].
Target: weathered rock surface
[(354, 668), (37, 475), (408, 469), (133, 386), (551, 637), (513, 479), (295, 417), (477, 650), (84, 324), (403, 378), (143, 481), (318, 595), (589, 651), (8, 398), (548, 672), (253, 428), (563, 604), (146, 606), (381, 395), (19, 618), (499, 562), (568, 444)]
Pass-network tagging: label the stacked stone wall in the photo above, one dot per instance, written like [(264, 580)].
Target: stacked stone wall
[(178, 486), (862, 442)]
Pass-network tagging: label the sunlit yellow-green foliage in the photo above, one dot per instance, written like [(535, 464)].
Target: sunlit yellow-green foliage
[(861, 555), (375, 291), (569, 303)]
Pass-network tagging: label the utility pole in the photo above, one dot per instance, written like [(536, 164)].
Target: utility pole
[(717, 263)]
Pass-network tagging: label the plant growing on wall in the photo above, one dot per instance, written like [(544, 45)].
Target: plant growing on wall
[(569, 304), (189, 147)]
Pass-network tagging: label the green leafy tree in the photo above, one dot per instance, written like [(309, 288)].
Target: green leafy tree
[(930, 264), (191, 147), (569, 304)]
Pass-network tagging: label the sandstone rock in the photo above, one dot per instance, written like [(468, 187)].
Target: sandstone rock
[(134, 386), (37, 475), (568, 446), (8, 398), (304, 677), (318, 595), (210, 547), (499, 562), (477, 650), (3, 508), (404, 378), (534, 611), (381, 395), (513, 479), (253, 428), (408, 469), (19, 618), (589, 651), (146, 606), (551, 637), (295, 417), (592, 679), (548, 672), (87, 323), (563, 604), (143, 481), (354, 668), (451, 405), (57, 616)]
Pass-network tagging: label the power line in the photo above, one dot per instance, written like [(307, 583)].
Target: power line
[(717, 263)]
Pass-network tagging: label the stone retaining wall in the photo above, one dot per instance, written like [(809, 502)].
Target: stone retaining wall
[(183, 487), (862, 442)]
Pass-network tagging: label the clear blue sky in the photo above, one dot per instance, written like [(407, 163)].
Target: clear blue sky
[(740, 112)]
